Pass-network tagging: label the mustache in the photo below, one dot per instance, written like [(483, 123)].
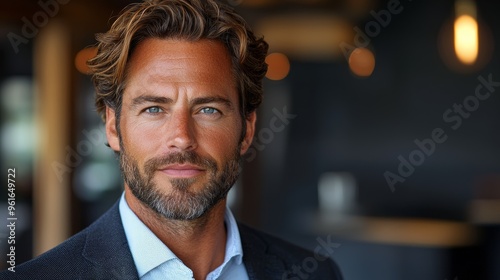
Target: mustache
[(190, 157)]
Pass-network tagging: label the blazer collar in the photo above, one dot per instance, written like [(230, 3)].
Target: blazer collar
[(107, 249), (259, 263)]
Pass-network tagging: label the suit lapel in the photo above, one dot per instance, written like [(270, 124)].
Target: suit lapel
[(107, 249), (258, 262)]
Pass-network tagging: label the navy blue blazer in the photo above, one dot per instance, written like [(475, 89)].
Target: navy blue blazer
[(101, 251)]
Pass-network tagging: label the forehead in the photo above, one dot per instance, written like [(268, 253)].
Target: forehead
[(181, 63)]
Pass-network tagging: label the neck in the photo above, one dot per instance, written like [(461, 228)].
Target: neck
[(200, 244)]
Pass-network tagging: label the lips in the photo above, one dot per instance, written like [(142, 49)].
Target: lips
[(182, 170)]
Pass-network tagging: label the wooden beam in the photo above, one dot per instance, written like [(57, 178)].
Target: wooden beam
[(51, 191)]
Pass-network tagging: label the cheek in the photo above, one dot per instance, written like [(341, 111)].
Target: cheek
[(220, 142), (139, 137)]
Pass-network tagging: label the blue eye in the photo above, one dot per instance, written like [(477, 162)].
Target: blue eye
[(209, 111), (153, 110)]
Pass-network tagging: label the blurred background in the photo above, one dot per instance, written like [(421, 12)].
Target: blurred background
[(379, 131)]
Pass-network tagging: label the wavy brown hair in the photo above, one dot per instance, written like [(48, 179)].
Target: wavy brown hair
[(178, 19)]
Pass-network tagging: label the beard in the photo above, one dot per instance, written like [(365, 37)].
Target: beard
[(183, 202)]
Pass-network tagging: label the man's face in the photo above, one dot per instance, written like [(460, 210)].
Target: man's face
[(180, 127)]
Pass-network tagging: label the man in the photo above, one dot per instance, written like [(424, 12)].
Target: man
[(178, 83)]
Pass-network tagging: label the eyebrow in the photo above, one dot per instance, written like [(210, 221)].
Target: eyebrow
[(150, 98), (196, 101), (212, 99)]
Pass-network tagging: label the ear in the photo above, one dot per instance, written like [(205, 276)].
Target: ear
[(111, 131), (247, 140)]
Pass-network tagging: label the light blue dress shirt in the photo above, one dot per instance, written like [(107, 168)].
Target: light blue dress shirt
[(154, 260)]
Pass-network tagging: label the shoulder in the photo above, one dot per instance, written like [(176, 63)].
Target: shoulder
[(98, 252), (55, 263), (298, 263), (276, 245)]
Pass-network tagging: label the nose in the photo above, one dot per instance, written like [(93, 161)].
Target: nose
[(181, 132)]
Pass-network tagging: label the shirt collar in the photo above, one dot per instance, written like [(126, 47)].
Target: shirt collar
[(148, 251), (233, 242)]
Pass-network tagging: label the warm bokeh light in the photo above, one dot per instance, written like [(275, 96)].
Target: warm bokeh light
[(82, 57), (278, 66), (362, 62), (466, 39), (449, 56)]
